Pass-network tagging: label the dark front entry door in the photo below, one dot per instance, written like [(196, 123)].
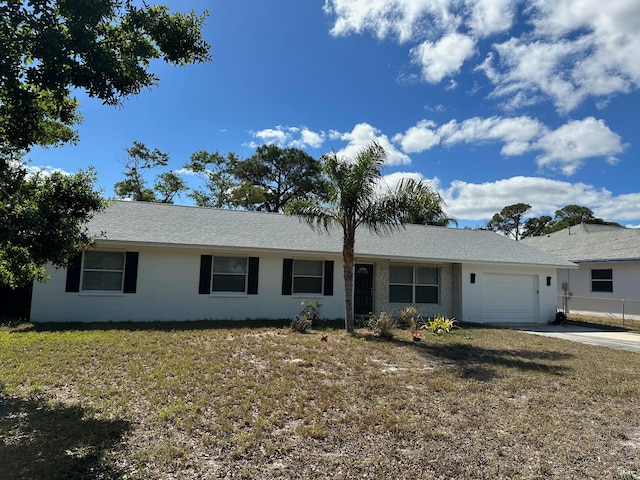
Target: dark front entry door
[(363, 289)]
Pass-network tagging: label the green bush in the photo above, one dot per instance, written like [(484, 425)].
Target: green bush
[(383, 325), (439, 325), (309, 314)]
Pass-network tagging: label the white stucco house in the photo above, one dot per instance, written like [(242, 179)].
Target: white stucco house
[(608, 278), (168, 262)]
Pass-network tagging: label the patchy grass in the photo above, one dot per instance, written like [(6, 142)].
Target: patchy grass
[(183, 403), (614, 323)]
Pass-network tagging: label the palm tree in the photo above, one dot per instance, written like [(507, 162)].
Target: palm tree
[(353, 199)]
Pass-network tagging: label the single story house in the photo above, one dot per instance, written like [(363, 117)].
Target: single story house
[(608, 276), (168, 262)]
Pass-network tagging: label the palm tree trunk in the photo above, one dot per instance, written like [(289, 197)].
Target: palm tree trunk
[(348, 259)]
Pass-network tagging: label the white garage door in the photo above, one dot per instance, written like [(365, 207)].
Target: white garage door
[(509, 298)]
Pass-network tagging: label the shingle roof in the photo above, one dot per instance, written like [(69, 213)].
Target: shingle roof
[(162, 224), (590, 243)]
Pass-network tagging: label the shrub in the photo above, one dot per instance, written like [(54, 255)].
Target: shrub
[(309, 314), (439, 325), (383, 325), (410, 318)]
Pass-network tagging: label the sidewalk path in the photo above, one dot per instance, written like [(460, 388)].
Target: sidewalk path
[(591, 336)]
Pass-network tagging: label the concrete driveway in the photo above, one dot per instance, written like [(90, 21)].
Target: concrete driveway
[(591, 336)]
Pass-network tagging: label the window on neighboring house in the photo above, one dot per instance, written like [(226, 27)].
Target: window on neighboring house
[(307, 276), (103, 271), (229, 274), (602, 280), (414, 284)]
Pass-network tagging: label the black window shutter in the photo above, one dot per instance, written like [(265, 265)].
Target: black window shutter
[(73, 274), (252, 276), (206, 262), (328, 277), (130, 272), (287, 276)]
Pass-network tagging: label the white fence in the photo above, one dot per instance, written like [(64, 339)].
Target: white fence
[(603, 307)]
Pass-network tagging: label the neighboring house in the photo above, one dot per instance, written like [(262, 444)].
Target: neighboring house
[(608, 276), (169, 262)]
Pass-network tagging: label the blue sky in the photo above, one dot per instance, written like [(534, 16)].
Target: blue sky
[(494, 102)]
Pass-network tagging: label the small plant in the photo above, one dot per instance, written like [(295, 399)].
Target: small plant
[(383, 325), (415, 336), (439, 325), (309, 314), (410, 318)]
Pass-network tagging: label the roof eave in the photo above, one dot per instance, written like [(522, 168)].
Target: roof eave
[(196, 246), (607, 260), (306, 253)]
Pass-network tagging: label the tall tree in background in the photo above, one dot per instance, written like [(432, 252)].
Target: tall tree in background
[(568, 216), (571, 215), (134, 187), (509, 220), (102, 47), (536, 226), (353, 200), (47, 49), (216, 171), (273, 176)]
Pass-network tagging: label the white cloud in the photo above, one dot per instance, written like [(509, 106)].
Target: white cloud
[(478, 202), (564, 51), (295, 137), (311, 139), (621, 208), (444, 57), (579, 48), (362, 135), (392, 180), (528, 72), (410, 19), (187, 172), (473, 202), (277, 135), (567, 147), (564, 149), (404, 19), (516, 132), (43, 170), (491, 16), (419, 138)]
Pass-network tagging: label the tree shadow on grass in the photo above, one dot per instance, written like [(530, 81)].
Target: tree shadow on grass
[(480, 363), (485, 363), (38, 441)]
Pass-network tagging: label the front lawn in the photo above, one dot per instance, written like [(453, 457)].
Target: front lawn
[(192, 401)]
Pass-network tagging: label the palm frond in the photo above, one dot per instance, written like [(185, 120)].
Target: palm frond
[(353, 200), (315, 215)]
